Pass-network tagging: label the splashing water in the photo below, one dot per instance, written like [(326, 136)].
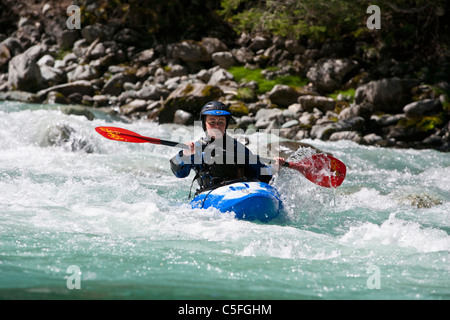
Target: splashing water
[(116, 212)]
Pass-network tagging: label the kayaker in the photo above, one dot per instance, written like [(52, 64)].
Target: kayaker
[(213, 167)]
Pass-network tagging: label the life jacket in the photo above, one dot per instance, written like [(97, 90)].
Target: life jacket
[(219, 167)]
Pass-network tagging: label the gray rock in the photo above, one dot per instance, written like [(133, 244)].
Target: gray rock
[(46, 60), (79, 111), (152, 92), (97, 31), (69, 59), (294, 47), (328, 74), (84, 87), (224, 59), (5, 55), (387, 119), (52, 76), (268, 114), (204, 75), (67, 38), (190, 51), (289, 124), (259, 43), (325, 130), (308, 119), (82, 72), (188, 97), (177, 70), (386, 95), (127, 36), (22, 96), (100, 100), (183, 117), (103, 62), (134, 106), (145, 56), (24, 72), (213, 45), (114, 86), (283, 95), (243, 55), (98, 51), (422, 107), (355, 111), (13, 45), (80, 47), (54, 97), (371, 139), (309, 102), (346, 135), (268, 118), (220, 76)]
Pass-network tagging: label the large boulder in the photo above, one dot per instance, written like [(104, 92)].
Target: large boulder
[(190, 51), (325, 130), (82, 72), (309, 102), (224, 59), (213, 45), (152, 92), (82, 87), (268, 118), (283, 95), (114, 86), (329, 74), (188, 97), (24, 72), (421, 107), (387, 95)]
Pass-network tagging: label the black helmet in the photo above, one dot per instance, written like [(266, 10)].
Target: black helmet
[(214, 108)]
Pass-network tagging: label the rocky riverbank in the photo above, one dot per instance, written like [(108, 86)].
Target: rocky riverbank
[(348, 93)]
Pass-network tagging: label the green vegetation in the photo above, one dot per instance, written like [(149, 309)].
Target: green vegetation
[(293, 19), (408, 27), (246, 94), (61, 54), (347, 93), (242, 74), (425, 123)]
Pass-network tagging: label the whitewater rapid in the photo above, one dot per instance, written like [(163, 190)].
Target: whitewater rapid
[(69, 197)]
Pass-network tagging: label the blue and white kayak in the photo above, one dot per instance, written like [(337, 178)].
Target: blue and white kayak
[(249, 200)]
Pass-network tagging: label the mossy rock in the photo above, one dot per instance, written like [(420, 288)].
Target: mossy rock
[(239, 109), (188, 97)]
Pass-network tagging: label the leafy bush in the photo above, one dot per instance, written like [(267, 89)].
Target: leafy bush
[(408, 27)]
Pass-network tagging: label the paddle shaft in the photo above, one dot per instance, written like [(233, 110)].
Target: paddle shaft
[(158, 141), (184, 146), (311, 167)]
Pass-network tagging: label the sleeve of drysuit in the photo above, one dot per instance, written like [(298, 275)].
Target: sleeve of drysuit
[(181, 165)]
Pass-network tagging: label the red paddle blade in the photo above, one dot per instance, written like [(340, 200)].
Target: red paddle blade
[(321, 169), (119, 134)]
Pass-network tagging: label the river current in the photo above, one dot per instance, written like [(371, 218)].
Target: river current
[(83, 217)]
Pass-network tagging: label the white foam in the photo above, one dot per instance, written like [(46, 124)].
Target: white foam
[(396, 232)]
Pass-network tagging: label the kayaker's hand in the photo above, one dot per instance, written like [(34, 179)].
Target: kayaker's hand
[(278, 163), (191, 150)]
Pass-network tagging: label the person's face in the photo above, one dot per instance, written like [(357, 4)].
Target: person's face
[(216, 126)]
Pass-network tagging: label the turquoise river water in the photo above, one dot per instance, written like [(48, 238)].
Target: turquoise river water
[(83, 217)]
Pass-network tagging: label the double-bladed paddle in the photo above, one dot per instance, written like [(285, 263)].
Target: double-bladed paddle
[(321, 169)]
